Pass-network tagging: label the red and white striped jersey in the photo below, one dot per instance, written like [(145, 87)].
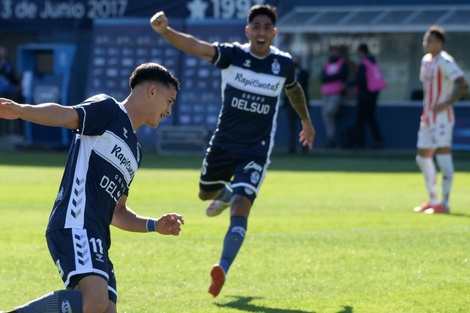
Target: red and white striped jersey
[(438, 75)]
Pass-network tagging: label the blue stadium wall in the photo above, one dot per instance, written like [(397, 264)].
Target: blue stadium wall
[(398, 123), (24, 24)]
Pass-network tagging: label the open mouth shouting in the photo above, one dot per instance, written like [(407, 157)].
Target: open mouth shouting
[(260, 42)]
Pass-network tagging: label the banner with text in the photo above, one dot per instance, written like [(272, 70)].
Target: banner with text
[(14, 13)]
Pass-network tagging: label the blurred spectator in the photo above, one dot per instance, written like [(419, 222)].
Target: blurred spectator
[(334, 77), (10, 86), (350, 93), (369, 81), (292, 116)]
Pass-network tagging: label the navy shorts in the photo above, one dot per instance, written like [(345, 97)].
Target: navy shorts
[(244, 173), (78, 253)]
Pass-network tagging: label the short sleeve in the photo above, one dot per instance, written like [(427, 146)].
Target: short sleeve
[(224, 54), (95, 114), (291, 79), (451, 69)]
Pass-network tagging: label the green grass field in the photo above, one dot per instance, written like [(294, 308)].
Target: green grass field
[(326, 235)]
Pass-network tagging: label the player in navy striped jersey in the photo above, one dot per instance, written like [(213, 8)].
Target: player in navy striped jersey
[(253, 77), (103, 159)]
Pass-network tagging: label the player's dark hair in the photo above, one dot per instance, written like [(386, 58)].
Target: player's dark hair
[(153, 72), (438, 32), (363, 48), (265, 9)]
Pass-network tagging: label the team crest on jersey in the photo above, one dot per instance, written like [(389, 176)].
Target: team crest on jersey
[(275, 67), (255, 177), (247, 63)]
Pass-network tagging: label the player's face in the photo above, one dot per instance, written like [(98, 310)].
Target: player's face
[(161, 105), (261, 33), (431, 44)]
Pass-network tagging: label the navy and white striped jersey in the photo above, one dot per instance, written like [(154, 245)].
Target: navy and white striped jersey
[(251, 88), (103, 159)]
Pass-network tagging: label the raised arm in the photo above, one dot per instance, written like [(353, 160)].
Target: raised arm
[(181, 41), (49, 114)]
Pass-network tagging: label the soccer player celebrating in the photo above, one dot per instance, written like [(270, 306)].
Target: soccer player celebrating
[(253, 76), (103, 159), (443, 84)]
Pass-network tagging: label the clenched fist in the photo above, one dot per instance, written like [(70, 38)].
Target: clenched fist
[(159, 23), (8, 109)]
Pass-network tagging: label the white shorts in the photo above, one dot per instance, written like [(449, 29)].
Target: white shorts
[(435, 136)]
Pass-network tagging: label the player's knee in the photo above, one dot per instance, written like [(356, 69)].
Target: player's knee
[(95, 297), (96, 306), (95, 302), (204, 195)]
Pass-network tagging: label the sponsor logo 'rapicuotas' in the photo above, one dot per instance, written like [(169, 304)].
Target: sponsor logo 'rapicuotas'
[(254, 82), (117, 152)]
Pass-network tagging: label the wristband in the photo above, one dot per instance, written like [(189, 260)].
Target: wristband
[(151, 225)]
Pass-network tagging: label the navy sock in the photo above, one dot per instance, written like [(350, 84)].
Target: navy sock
[(224, 195), (57, 301), (233, 241)]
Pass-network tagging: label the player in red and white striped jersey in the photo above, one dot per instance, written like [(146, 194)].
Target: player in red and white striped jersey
[(443, 84)]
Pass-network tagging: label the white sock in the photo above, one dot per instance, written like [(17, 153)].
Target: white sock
[(446, 166), (428, 169)]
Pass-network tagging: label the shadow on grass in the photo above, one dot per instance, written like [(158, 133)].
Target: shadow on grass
[(243, 304), (459, 214)]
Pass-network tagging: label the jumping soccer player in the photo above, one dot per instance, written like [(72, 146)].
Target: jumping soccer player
[(103, 159), (443, 84), (253, 77)]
